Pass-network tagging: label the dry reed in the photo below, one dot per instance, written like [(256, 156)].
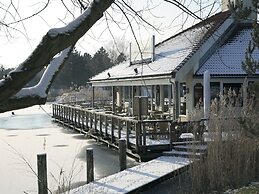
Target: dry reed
[(233, 145)]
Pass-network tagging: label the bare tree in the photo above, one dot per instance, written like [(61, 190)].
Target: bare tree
[(61, 41)]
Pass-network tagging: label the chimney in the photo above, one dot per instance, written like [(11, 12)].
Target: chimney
[(246, 3), (153, 48)]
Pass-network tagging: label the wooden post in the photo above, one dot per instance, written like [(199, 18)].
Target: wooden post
[(162, 98), (122, 154), (86, 119), (113, 99), (106, 126), (112, 130), (137, 130), (42, 174), (89, 165), (95, 122), (169, 99), (83, 119), (144, 134), (152, 98), (127, 133), (72, 115), (92, 97), (171, 127), (64, 114), (53, 110), (100, 125), (91, 120), (74, 123), (119, 128), (68, 114), (58, 111)]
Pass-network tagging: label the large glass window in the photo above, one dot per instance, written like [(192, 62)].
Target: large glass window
[(232, 86), (198, 94), (214, 90)]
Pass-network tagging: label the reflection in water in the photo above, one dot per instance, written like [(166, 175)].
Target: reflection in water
[(43, 135), (60, 146), (12, 135)]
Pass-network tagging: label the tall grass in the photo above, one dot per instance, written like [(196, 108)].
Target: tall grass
[(233, 145)]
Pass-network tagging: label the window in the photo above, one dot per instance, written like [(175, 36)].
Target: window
[(198, 94), (233, 86), (214, 90)]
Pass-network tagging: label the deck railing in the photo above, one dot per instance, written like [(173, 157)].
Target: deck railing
[(141, 135)]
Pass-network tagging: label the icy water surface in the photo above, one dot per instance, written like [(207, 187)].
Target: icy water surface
[(30, 132)]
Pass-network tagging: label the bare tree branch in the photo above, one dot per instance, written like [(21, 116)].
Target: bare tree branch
[(38, 94), (52, 43)]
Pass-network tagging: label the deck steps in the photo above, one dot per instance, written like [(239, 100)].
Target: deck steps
[(197, 150)]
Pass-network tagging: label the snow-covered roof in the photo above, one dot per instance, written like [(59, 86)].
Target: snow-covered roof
[(170, 54), (227, 59)]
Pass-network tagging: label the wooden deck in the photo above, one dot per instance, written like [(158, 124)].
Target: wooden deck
[(146, 139), (137, 178)]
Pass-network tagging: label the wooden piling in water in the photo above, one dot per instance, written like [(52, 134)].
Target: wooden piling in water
[(42, 174), (122, 154), (119, 128), (89, 165)]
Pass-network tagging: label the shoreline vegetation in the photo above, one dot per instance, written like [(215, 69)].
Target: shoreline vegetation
[(232, 159)]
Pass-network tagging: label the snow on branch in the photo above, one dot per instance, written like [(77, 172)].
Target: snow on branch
[(41, 89), (37, 94)]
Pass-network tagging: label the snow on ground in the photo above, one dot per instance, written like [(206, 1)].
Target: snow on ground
[(36, 109), (135, 177)]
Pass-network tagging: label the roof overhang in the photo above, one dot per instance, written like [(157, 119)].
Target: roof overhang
[(137, 81)]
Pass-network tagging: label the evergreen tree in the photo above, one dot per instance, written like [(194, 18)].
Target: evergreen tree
[(101, 61), (122, 57)]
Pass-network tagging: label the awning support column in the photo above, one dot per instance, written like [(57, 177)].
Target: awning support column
[(93, 97)]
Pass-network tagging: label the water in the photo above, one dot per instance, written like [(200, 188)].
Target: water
[(30, 132)]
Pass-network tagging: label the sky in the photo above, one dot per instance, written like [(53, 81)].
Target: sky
[(20, 39)]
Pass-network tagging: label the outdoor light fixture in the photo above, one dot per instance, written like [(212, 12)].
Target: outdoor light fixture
[(136, 70), (109, 75)]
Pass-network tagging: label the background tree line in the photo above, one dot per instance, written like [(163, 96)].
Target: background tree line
[(78, 68)]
